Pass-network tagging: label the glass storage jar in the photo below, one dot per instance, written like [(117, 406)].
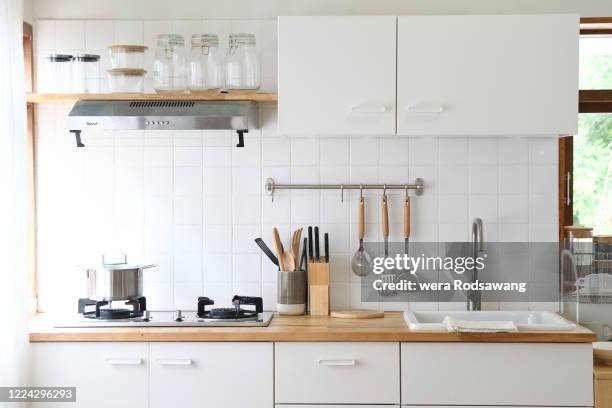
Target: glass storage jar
[(128, 80), (58, 74), (127, 56), (242, 63), (579, 240), (85, 73), (205, 66), (170, 63)]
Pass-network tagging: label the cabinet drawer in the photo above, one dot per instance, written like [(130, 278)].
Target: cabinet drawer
[(526, 374), (337, 373)]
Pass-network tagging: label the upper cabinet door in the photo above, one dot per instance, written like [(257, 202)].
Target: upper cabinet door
[(336, 75), (487, 75)]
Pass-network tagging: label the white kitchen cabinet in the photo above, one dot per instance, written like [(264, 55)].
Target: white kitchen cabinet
[(487, 75), (525, 374), (211, 375), (336, 75), (337, 373), (105, 374)]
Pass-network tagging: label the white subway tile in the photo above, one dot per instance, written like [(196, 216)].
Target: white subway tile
[(159, 296), (484, 207), (217, 157), (393, 152), (542, 209), (187, 238), (45, 35), (333, 209), (217, 239), (243, 239), (513, 179), (514, 232), (129, 156), (162, 273), (543, 150), (483, 180), (453, 150), (129, 32), (338, 237), (158, 211), (453, 208), (188, 138), (334, 151), (250, 154), (246, 180), (305, 152), (305, 207), (217, 268), (513, 150), (334, 174), (188, 267), (187, 180), (187, 156), (246, 209), (70, 35), (219, 138), (186, 295), (158, 138), (246, 268), (158, 180), (217, 210), (221, 293), (513, 209), (453, 180), (543, 232), (543, 179), (305, 175), (423, 150), (277, 211), (483, 150), (364, 175), (157, 156), (394, 175), (187, 210), (217, 181), (98, 34), (453, 232), (364, 151), (276, 151)]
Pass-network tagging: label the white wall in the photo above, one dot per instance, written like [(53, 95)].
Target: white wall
[(264, 9), (192, 203)]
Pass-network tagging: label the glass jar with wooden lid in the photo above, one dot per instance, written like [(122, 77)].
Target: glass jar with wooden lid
[(602, 254), (127, 56)]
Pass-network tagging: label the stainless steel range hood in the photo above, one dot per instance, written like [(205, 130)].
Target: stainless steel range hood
[(163, 115)]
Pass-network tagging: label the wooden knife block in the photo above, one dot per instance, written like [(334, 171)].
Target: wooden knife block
[(318, 288)]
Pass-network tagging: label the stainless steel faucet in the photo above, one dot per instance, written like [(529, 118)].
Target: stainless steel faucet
[(474, 296)]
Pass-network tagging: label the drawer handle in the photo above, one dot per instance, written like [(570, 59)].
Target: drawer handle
[(124, 361), (334, 363), (424, 108), (175, 362), (369, 109)]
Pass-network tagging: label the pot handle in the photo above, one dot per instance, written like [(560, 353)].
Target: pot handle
[(148, 266), (114, 263)]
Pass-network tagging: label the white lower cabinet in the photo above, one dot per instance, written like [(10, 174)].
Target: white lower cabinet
[(500, 374), (203, 375), (105, 374), (337, 373)]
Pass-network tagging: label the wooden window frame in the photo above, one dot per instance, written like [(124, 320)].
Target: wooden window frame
[(589, 101)]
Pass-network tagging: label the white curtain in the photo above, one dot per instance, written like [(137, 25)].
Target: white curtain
[(13, 199)]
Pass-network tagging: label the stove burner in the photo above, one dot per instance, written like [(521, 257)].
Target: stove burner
[(229, 313), (139, 305)]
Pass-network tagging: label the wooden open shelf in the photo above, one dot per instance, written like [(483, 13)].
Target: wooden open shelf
[(207, 96)]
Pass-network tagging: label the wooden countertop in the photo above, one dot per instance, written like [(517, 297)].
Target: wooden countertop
[(297, 328)]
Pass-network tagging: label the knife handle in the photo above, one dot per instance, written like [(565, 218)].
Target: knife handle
[(326, 246), (310, 253), (316, 244)]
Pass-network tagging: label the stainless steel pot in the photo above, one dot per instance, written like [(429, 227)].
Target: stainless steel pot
[(115, 281)]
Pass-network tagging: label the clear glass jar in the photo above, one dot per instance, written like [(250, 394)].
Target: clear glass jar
[(85, 73), (242, 69), (58, 73), (127, 56), (170, 63), (205, 66), (126, 80)]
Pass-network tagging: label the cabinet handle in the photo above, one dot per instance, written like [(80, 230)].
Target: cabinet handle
[(424, 108), (568, 190), (124, 361), (369, 109), (175, 362), (337, 362)]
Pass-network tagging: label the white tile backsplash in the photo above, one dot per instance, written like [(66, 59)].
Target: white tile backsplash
[(192, 203)]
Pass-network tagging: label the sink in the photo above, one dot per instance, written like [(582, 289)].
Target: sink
[(524, 320)]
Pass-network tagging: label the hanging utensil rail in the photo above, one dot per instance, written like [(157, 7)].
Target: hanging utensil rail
[(271, 186)]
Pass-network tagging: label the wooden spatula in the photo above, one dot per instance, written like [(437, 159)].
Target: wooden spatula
[(278, 247)]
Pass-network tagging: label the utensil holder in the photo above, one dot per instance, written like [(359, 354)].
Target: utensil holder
[(291, 293), (318, 288)]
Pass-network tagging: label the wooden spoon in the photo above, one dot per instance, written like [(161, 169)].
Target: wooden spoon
[(278, 247)]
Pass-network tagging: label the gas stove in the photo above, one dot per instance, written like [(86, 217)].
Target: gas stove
[(133, 313)]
